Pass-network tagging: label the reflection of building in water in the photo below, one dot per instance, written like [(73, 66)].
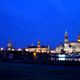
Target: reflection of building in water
[(69, 47), (38, 49)]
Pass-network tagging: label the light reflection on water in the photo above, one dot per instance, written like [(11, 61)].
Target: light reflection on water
[(65, 59), (59, 57), (72, 59)]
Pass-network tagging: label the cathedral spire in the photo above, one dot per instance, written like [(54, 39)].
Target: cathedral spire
[(66, 37), (38, 44), (9, 44)]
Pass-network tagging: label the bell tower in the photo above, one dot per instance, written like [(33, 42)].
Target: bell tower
[(66, 37), (38, 44), (9, 45)]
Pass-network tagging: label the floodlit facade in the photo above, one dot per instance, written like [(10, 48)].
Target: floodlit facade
[(69, 47), (38, 48)]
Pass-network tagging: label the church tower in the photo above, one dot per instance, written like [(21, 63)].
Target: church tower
[(9, 45), (38, 44), (66, 37), (78, 40)]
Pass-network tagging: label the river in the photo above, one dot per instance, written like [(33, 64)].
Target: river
[(20, 71)]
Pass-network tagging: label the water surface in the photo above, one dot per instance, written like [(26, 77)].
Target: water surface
[(19, 71)]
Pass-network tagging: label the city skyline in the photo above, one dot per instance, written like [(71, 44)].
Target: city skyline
[(65, 40)]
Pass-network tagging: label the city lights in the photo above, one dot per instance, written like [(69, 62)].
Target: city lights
[(19, 49), (1, 49)]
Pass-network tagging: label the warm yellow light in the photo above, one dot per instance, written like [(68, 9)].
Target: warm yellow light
[(34, 54), (78, 40), (43, 51), (26, 49)]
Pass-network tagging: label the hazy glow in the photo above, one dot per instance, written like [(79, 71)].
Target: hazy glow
[(2, 49), (26, 49), (34, 55), (12, 49), (9, 49), (19, 49)]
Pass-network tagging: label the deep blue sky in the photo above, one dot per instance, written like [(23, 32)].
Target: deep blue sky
[(26, 21)]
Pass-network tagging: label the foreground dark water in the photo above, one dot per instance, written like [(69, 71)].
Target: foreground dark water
[(19, 71)]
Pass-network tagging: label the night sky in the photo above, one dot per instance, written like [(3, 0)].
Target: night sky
[(26, 21)]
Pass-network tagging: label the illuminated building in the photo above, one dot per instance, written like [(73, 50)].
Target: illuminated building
[(10, 46), (69, 47), (38, 48), (59, 49), (65, 47), (66, 38)]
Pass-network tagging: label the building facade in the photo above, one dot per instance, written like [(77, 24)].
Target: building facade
[(69, 47), (38, 49)]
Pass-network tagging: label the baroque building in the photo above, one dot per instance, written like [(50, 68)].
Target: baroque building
[(38, 49), (69, 47)]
